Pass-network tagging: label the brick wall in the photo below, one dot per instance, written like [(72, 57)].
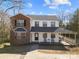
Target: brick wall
[(13, 39)]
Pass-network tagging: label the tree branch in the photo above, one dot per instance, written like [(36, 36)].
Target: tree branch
[(9, 8)]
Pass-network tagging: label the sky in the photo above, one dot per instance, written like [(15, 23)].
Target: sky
[(43, 7)]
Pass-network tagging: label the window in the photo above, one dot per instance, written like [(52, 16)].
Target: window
[(52, 24), (52, 35), (45, 35), (36, 24), (44, 24), (36, 36), (20, 23)]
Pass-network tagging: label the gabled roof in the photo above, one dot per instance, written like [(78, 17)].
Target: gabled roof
[(43, 17), (19, 16), (37, 17)]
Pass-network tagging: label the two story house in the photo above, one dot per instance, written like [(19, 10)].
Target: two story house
[(34, 28)]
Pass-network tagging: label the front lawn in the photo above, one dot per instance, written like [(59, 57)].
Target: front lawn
[(12, 49), (6, 48)]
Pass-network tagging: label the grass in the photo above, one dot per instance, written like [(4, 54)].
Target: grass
[(6, 48)]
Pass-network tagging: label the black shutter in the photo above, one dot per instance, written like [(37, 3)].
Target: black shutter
[(15, 22), (24, 22)]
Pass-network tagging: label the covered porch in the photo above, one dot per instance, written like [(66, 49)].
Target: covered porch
[(67, 37), (53, 35)]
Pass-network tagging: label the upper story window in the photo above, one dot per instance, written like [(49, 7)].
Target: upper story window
[(52, 24), (44, 24), (36, 24), (20, 23)]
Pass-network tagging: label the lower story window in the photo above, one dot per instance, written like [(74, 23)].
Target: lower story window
[(36, 36), (52, 35)]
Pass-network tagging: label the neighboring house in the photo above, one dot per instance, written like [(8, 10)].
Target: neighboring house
[(34, 28)]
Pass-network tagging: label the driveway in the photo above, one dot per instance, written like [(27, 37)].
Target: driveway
[(37, 55)]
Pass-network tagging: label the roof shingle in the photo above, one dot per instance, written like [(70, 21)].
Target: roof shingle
[(43, 29), (43, 17)]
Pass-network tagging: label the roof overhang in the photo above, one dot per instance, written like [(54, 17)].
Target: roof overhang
[(52, 29)]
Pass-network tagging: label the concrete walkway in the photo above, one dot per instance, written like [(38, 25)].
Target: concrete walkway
[(9, 56)]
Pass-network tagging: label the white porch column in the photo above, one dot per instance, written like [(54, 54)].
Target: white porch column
[(56, 37), (32, 37), (75, 40), (41, 39)]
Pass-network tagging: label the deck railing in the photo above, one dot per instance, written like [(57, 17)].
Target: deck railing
[(70, 41)]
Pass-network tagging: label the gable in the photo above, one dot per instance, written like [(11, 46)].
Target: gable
[(19, 16)]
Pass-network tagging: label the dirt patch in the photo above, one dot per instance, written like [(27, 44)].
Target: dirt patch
[(71, 51), (52, 51)]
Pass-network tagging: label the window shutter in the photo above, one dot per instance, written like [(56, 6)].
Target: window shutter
[(15, 22), (24, 22)]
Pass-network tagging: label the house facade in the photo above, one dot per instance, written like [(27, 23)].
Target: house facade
[(43, 27), (34, 28)]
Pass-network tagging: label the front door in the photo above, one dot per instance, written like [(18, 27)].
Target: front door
[(45, 37), (52, 37), (21, 37)]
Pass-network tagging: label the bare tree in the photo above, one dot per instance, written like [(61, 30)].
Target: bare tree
[(4, 26), (5, 20)]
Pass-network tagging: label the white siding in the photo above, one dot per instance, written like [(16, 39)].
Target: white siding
[(41, 39), (32, 22), (57, 23)]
